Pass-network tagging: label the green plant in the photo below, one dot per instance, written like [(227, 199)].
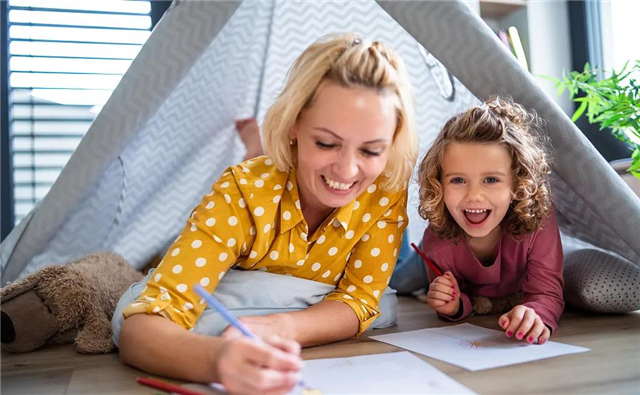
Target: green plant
[(613, 102)]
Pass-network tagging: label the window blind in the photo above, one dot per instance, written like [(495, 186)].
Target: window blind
[(65, 59)]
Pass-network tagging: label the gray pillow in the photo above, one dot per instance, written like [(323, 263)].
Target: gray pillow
[(601, 282)]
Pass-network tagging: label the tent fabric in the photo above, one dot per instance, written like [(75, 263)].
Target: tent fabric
[(168, 130), (593, 202)]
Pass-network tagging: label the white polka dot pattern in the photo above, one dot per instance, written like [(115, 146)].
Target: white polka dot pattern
[(253, 219)]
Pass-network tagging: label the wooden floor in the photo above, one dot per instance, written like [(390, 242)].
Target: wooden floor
[(611, 367)]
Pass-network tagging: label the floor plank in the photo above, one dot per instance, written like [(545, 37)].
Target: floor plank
[(611, 367)]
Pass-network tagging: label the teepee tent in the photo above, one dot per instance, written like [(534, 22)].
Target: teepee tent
[(167, 131)]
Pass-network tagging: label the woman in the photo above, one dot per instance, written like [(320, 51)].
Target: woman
[(326, 204)]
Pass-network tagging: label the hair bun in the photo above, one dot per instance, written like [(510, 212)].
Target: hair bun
[(514, 112)]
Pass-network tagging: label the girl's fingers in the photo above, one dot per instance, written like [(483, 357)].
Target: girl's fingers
[(546, 334), (436, 303), (443, 280), (504, 321), (517, 314), (526, 324), (437, 295), (444, 289), (535, 331), (452, 279)]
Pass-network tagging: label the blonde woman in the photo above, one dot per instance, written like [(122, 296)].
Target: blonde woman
[(325, 206)]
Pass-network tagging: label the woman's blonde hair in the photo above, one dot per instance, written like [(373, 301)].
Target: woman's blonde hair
[(498, 120), (351, 62)]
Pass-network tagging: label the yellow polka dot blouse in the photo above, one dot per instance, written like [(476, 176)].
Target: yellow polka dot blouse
[(252, 220)]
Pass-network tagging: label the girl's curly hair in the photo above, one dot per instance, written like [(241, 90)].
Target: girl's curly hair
[(498, 120)]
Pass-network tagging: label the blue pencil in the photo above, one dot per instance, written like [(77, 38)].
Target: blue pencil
[(215, 303)]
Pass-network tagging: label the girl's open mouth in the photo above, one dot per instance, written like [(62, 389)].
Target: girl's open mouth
[(476, 217)]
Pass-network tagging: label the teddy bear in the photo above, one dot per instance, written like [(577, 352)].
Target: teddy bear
[(70, 303), (485, 305)]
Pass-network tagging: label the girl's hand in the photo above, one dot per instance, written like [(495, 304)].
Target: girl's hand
[(444, 294), (525, 324), (245, 366), (263, 326)]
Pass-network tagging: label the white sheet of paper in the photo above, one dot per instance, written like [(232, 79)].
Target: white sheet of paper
[(474, 348), (391, 373)]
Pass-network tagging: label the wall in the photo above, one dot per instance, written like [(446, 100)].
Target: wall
[(550, 45)]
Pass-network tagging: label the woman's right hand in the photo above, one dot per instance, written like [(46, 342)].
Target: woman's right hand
[(245, 366), (444, 294)]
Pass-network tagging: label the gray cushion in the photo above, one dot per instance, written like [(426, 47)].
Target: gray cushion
[(601, 282)]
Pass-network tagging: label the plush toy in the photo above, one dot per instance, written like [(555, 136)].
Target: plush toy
[(72, 303), (484, 305)]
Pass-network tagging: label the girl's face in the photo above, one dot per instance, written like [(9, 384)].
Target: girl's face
[(343, 141), (477, 181)]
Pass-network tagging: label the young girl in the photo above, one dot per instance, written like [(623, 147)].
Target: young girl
[(492, 230)]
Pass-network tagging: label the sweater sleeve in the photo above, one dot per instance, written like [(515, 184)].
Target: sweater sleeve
[(544, 283)]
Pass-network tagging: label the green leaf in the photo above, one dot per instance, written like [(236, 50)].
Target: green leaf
[(579, 111), (635, 166), (611, 102), (611, 120)]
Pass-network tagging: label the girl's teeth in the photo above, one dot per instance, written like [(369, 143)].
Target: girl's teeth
[(476, 211), (337, 185)]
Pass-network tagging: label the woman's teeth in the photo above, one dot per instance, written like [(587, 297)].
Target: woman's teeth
[(337, 185)]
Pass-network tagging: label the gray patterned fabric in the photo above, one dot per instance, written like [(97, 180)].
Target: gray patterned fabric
[(601, 282), (168, 130), (594, 204)]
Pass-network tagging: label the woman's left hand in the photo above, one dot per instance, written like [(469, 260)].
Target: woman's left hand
[(263, 326), (525, 324)]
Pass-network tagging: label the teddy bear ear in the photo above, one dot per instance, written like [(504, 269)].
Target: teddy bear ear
[(19, 287)]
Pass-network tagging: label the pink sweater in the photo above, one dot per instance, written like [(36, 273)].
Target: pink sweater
[(532, 265)]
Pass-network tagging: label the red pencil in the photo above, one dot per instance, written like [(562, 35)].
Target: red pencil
[(167, 387), (427, 261)]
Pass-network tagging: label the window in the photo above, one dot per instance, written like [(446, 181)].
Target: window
[(65, 58), (620, 31)]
